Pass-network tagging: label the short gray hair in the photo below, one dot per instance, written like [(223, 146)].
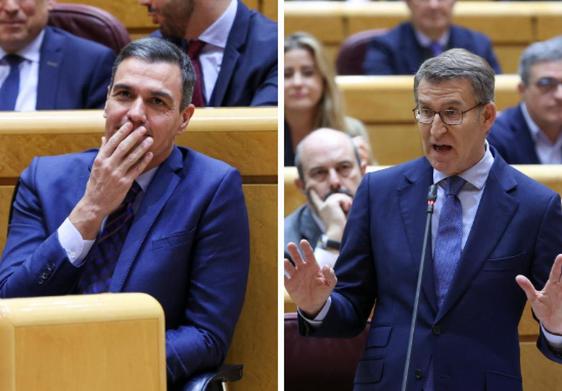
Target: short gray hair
[(544, 51), (459, 64)]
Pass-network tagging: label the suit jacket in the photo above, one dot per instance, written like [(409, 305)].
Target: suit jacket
[(472, 340), (511, 136), (74, 73), (398, 52), (187, 247), (248, 74), (300, 225)]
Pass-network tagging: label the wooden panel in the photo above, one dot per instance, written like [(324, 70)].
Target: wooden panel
[(548, 24), (92, 342), (539, 373), (323, 21), (6, 192), (508, 57), (394, 144), (239, 136), (269, 8), (255, 338)]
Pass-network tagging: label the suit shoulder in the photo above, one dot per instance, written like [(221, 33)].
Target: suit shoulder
[(200, 163), (59, 167), (78, 45), (465, 36)]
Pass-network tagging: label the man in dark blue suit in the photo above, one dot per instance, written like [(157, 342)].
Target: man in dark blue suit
[(531, 132), (139, 215), (52, 68), (493, 232), (239, 53), (402, 50)]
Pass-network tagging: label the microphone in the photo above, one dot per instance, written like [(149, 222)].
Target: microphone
[(431, 198)]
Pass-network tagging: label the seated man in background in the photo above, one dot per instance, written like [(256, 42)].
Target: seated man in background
[(531, 132), (139, 215), (430, 31), (45, 68), (233, 49), (329, 171)]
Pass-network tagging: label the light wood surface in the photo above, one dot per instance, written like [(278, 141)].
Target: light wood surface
[(245, 138), (384, 104), (510, 25), (88, 342)]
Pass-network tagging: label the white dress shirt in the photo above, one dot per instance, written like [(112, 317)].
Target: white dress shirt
[(548, 152), (29, 73)]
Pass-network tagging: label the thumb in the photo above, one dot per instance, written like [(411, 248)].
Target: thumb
[(527, 287)]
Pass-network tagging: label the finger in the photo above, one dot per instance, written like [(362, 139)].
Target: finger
[(127, 145), (329, 276), (345, 204), (307, 251), (111, 144), (295, 255), (140, 167), (314, 198), (527, 286), (289, 269), (134, 157), (556, 270)]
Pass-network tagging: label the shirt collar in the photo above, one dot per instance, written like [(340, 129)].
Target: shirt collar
[(536, 133), (217, 33), (475, 175), (144, 179), (425, 41), (30, 52)]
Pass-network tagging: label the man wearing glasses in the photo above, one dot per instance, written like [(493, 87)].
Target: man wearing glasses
[(494, 237), (531, 132)]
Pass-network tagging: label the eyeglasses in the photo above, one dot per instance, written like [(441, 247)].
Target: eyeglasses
[(449, 116), (548, 84)]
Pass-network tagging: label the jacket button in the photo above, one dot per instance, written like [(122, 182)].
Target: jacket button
[(419, 374), (436, 330)]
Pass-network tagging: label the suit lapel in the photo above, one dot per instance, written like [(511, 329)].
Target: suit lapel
[(523, 135), (409, 44), (159, 191), (307, 226), (236, 39), (412, 200), (497, 206), (49, 70)]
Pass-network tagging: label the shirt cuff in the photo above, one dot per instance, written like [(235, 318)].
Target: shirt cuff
[(74, 245), (318, 319), (555, 341), (325, 257)]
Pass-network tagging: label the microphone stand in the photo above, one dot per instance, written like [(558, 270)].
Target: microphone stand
[(431, 197)]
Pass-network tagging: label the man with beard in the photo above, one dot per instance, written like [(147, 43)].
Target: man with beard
[(233, 49), (329, 171), (531, 132), (430, 31)]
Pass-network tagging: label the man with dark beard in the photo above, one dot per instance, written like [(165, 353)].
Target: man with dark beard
[(329, 171), (233, 49)]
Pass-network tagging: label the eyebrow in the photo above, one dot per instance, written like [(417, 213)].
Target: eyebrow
[(447, 103), (158, 93)]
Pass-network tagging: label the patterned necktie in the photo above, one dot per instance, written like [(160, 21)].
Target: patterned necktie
[(102, 258), (193, 51), (436, 48), (11, 86), (448, 242)]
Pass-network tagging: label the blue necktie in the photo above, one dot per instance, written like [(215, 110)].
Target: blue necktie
[(448, 242), (436, 48), (102, 258), (11, 86)]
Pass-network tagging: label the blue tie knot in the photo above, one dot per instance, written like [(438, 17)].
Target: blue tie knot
[(436, 48), (453, 185), (13, 60)]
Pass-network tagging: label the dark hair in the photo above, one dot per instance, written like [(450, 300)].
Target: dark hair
[(459, 64), (545, 51), (153, 50)]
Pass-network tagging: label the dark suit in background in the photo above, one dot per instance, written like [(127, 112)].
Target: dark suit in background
[(512, 137), (472, 339), (248, 74), (301, 225), (398, 52), (188, 247), (74, 73)]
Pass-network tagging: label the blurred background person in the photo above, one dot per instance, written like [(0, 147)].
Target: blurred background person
[(233, 49), (329, 170), (45, 68), (312, 99), (429, 32), (531, 132)]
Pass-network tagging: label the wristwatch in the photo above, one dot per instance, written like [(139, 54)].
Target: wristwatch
[(327, 243)]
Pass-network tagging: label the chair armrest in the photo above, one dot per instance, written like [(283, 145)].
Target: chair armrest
[(212, 380)]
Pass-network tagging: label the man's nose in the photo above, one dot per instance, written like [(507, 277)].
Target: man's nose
[(438, 127), (9, 5), (137, 112), (334, 179)]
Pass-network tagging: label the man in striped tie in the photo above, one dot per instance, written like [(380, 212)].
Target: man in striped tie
[(139, 215), (494, 242)]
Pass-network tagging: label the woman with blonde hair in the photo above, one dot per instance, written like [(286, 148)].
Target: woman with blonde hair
[(312, 99)]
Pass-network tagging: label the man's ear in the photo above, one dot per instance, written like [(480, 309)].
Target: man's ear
[(489, 114), (300, 185), (521, 88), (186, 115)]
